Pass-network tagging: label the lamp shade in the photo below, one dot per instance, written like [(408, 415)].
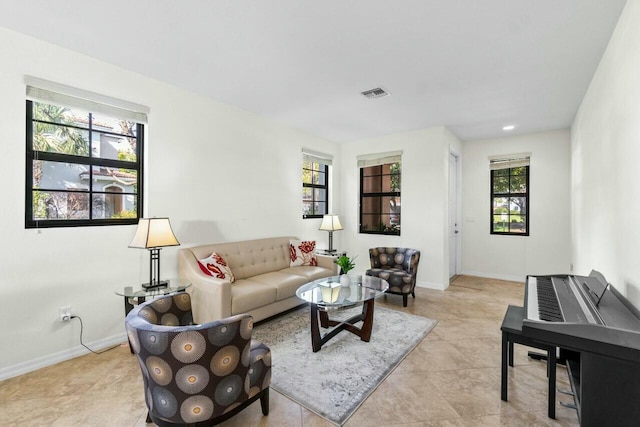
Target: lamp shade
[(153, 233), (330, 222)]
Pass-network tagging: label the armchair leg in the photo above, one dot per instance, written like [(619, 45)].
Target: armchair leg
[(264, 401), (148, 420), (404, 299)]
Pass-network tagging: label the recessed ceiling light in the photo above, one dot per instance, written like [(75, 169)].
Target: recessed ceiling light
[(508, 128)]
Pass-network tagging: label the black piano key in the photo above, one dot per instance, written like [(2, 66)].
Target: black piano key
[(548, 307)]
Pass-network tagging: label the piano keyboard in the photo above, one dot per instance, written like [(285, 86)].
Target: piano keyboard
[(566, 303), (545, 304), (548, 301)]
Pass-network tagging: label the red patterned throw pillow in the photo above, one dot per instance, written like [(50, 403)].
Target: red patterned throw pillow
[(302, 252), (214, 265)]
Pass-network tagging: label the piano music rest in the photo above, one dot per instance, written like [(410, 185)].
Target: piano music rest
[(512, 334)]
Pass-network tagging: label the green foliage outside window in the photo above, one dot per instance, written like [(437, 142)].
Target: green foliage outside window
[(315, 189), (510, 201), (51, 133), (84, 167), (380, 199)]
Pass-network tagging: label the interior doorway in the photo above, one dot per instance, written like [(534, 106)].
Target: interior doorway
[(454, 215)]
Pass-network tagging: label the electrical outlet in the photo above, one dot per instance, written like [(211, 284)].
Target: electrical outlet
[(65, 313)]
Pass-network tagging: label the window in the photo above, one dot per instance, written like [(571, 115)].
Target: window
[(510, 195), (315, 184), (84, 167), (380, 178)]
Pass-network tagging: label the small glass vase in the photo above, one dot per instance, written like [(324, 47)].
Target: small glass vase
[(345, 280)]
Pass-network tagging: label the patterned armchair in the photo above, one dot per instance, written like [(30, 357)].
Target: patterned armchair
[(398, 266), (196, 374)]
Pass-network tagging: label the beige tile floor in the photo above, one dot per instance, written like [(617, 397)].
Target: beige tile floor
[(451, 379)]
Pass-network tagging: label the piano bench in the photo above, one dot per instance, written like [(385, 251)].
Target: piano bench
[(512, 334)]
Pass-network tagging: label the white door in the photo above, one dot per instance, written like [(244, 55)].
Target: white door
[(454, 229)]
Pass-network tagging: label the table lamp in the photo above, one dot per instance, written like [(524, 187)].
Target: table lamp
[(331, 223), (154, 234)]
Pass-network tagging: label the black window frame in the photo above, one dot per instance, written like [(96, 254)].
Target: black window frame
[(89, 160), (391, 231), (314, 187), (508, 195)]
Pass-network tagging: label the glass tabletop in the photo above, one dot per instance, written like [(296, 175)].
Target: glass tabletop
[(138, 291), (328, 292)]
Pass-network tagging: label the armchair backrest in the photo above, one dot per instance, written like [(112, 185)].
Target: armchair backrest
[(191, 373), (401, 258), (172, 310)]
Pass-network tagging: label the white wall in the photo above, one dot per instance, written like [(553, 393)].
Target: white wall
[(219, 173), (547, 249), (425, 176), (605, 148)]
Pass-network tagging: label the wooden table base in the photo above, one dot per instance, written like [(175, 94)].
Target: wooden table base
[(364, 332)]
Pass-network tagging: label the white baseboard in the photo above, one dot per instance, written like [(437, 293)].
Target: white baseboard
[(509, 278), (61, 356), (429, 285)]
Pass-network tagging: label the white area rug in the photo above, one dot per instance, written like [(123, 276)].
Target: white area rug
[(335, 381)]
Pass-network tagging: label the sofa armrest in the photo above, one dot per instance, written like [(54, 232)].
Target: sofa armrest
[(327, 261), (210, 297)]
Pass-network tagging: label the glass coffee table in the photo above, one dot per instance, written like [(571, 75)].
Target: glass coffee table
[(327, 293)]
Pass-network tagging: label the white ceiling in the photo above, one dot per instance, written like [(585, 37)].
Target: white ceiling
[(471, 65)]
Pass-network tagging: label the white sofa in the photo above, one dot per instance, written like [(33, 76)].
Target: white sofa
[(265, 284)]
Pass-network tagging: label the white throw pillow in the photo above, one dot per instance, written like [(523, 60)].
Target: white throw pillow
[(214, 265), (302, 252)]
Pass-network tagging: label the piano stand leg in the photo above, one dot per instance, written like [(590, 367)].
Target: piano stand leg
[(551, 373), (507, 347)]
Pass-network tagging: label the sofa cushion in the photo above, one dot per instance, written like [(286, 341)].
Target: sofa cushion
[(247, 295), (214, 265), (250, 257), (310, 273), (302, 252), (286, 284)]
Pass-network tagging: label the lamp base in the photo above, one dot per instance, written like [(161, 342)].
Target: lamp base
[(327, 252), (155, 285)]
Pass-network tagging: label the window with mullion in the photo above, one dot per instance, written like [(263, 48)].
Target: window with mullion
[(315, 189), (82, 168), (510, 201), (380, 197)]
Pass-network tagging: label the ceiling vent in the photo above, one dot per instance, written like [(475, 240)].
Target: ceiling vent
[(377, 92)]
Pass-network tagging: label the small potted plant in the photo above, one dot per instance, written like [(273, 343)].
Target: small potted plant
[(346, 264)]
